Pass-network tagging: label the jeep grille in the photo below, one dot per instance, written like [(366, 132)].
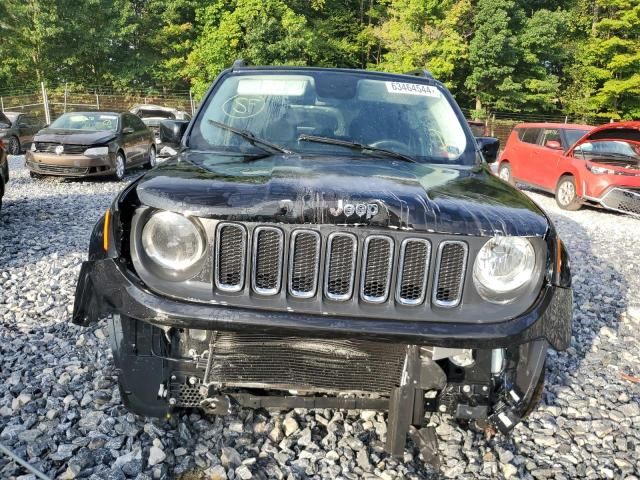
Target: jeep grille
[(415, 254), (376, 268), (373, 268), (303, 263), (452, 259), (230, 255), (267, 260), (341, 265)]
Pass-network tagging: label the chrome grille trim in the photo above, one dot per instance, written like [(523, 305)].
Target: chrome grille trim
[(366, 277), (257, 259), (330, 266), (69, 149), (295, 267), (230, 287), (457, 284), (402, 274)]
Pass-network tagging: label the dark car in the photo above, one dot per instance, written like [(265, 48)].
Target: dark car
[(17, 130), (334, 239), (87, 144), (4, 170), (152, 115)]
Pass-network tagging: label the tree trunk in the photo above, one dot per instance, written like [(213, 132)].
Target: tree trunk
[(478, 106)]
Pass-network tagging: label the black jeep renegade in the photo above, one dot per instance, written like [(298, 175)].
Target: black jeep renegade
[(328, 238)]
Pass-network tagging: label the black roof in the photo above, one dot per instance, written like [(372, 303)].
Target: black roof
[(416, 74)]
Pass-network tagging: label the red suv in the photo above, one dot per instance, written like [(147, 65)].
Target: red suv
[(578, 163)]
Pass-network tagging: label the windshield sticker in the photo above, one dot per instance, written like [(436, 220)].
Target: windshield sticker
[(243, 107), (412, 89), (289, 87)]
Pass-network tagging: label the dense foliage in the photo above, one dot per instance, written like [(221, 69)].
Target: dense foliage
[(571, 56)]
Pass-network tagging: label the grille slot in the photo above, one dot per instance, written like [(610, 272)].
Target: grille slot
[(267, 260), (303, 263), (376, 268), (340, 266), (415, 254), (450, 270), (257, 360), (230, 255), (50, 147), (45, 167)]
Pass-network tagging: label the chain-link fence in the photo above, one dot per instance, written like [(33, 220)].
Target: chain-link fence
[(500, 124), (49, 103)]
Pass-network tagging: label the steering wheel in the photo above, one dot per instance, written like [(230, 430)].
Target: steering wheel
[(393, 145)]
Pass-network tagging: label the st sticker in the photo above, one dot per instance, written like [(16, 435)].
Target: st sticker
[(412, 89)]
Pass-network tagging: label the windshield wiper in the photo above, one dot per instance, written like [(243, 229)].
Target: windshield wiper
[(251, 138), (361, 147)]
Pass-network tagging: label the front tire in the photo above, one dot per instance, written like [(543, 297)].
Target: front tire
[(566, 195), (153, 157), (536, 397), (120, 166), (504, 172), (13, 146)]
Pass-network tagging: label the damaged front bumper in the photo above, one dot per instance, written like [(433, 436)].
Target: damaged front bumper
[(106, 286), (172, 354)]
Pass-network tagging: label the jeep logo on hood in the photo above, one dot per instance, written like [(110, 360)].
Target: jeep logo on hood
[(359, 209)]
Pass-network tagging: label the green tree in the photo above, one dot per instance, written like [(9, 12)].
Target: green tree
[(429, 35), (262, 32), (606, 75), (493, 55)]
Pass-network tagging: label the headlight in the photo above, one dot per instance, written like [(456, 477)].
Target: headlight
[(96, 151), (33, 146), (172, 241), (503, 268), (599, 170)]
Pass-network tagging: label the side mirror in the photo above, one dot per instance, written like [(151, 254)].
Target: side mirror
[(171, 131), (127, 130), (489, 146), (553, 145)]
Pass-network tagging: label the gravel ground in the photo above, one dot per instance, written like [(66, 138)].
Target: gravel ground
[(60, 407)]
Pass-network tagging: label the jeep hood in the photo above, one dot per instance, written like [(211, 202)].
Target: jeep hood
[(74, 137), (342, 190)]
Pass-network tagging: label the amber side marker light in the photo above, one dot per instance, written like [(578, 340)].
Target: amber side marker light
[(105, 231)]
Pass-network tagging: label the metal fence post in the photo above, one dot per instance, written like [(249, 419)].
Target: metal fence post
[(45, 102), (1, 104), (191, 102), (65, 97), (97, 101)]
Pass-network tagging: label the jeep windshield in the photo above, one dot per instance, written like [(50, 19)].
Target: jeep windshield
[(413, 117)]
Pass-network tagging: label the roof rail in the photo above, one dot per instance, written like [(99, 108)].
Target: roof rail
[(420, 73), (239, 63)]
